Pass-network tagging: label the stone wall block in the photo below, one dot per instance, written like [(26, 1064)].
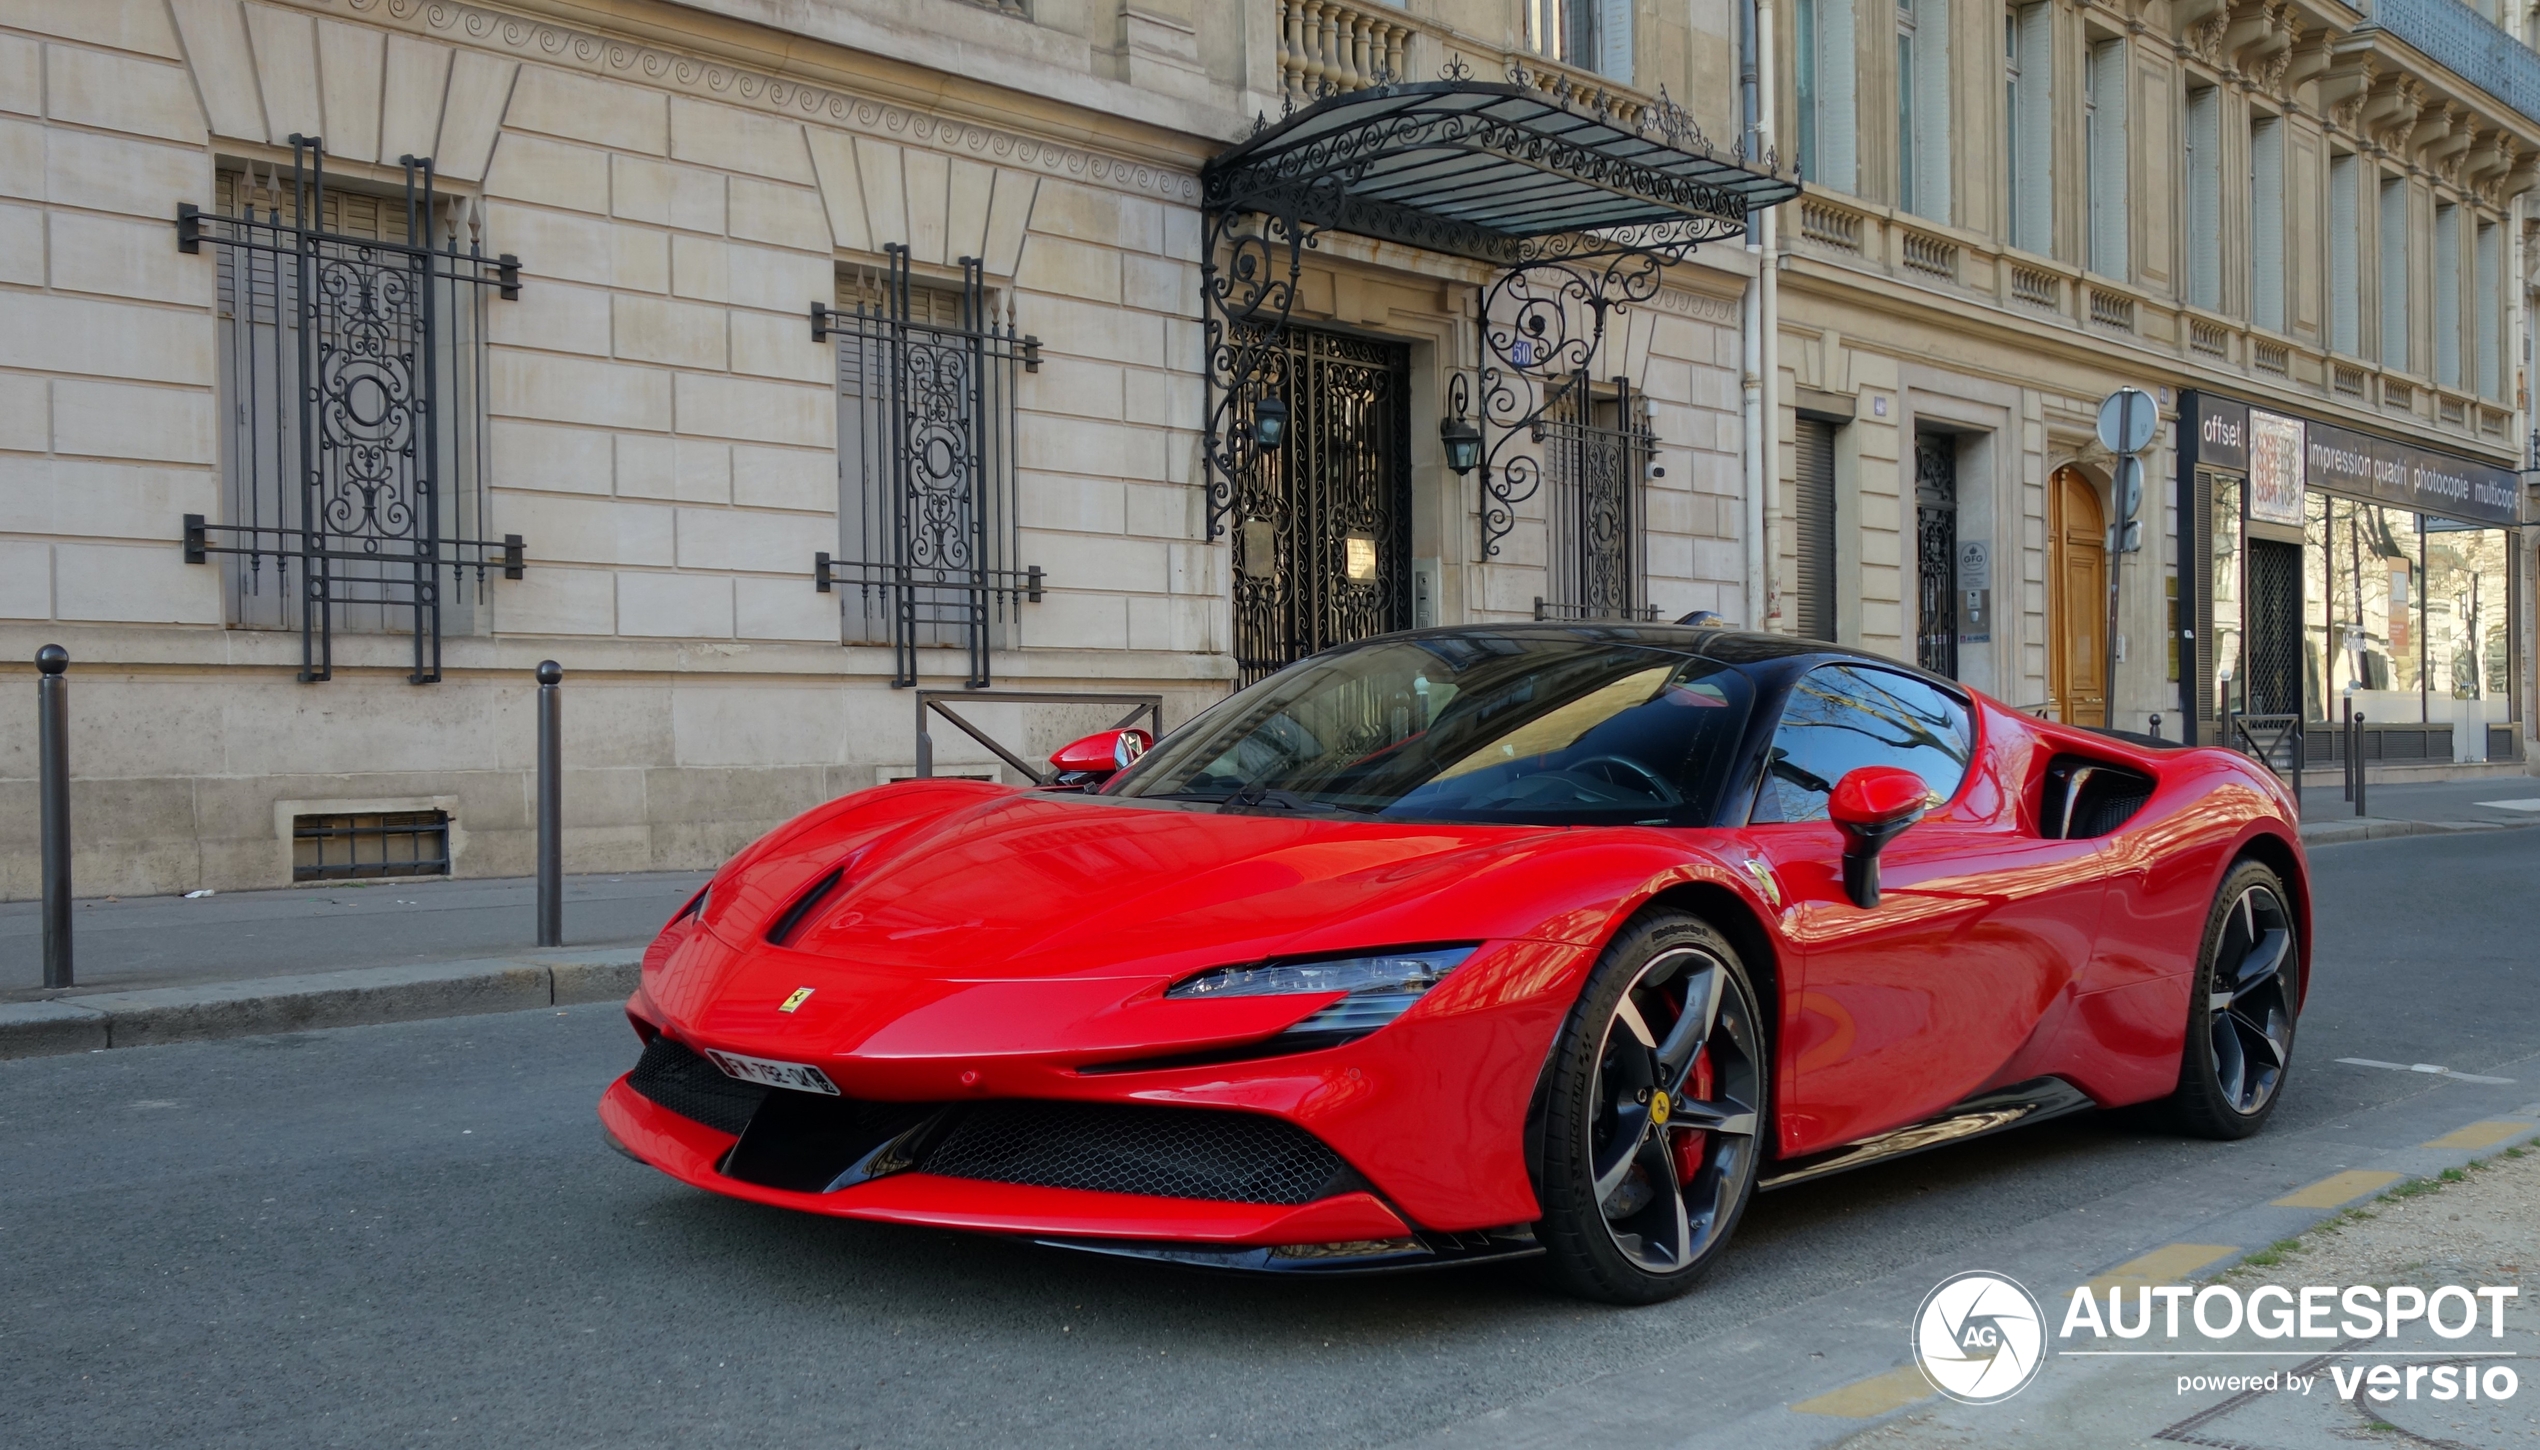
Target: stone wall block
[(111, 173), (1158, 284), (1055, 444), (701, 471), (667, 195), (786, 282), (748, 541), (26, 413), (774, 728), (120, 24), (701, 267), (22, 245), (572, 529), (22, 160), (769, 346), (551, 243), (352, 67), (971, 187), (928, 177), (841, 189), (737, 140), (119, 93), (1079, 390), (417, 77), (21, 75), (126, 259), (1066, 209), (647, 467), (587, 108), (472, 113), (553, 316), (145, 584), (550, 173), (785, 608), (754, 411), (879, 165), (548, 600), (26, 581), (784, 216), (655, 329), (785, 478), (1072, 269), (675, 606), (1071, 504), (1070, 620), (114, 420), (639, 259), (285, 43), (575, 390), (1009, 218), (547, 459), (1078, 329), (103, 500)]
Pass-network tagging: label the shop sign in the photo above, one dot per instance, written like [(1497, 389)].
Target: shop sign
[(2409, 477), (2275, 468), (2222, 433)]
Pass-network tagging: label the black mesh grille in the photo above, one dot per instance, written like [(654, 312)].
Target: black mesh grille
[(692, 1087), (1163, 1152)]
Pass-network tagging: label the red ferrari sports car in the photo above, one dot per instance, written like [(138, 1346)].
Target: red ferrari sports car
[(1471, 943)]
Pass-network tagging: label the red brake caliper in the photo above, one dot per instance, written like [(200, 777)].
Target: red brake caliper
[(1692, 1145)]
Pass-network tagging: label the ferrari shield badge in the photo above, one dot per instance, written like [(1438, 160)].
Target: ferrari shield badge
[(801, 995)]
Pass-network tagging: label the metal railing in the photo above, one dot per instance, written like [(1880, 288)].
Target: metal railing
[(2274, 741), (1151, 706), (2467, 44)]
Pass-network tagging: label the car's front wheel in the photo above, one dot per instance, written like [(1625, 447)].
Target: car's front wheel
[(1652, 1112), (2240, 1017)]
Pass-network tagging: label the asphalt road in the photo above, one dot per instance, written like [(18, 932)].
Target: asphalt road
[(413, 1235)]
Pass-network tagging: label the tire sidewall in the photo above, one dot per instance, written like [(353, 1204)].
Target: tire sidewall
[(1582, 1253), (2199, 1100)]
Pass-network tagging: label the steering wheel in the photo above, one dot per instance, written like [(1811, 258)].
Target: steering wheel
[(1658, 786)]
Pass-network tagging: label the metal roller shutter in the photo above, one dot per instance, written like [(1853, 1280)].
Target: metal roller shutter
[(1812, 532)]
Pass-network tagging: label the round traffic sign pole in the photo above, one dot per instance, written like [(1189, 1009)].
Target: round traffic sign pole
[(2127, 420)]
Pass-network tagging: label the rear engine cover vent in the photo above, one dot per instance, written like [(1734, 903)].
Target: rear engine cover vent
[(1163, 1152), (2087, 798)]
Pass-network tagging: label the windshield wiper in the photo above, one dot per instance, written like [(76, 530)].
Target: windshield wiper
[(1262, 794)]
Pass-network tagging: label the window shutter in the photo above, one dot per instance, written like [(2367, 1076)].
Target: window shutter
[(2108, 159), (2490, 303), (2266, 223), (1614, 40), (2345, 265), (1838, 122), (2204, 197), (2033, 225), (2447, 296), (2394, 273), (1932, 110), (1812, 534)]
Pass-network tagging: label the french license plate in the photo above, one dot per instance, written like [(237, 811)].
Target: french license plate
[(802, 1077)]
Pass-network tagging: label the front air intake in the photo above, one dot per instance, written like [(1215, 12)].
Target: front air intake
[(680, 1080), (1158, 1152)]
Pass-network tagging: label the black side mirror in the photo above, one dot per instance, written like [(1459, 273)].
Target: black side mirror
[(1872, 806)]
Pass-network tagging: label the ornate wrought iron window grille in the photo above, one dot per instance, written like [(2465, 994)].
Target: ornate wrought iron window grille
[(927, 536), (1578, 208), (352, 374), (1936, 552), (1597, 450)]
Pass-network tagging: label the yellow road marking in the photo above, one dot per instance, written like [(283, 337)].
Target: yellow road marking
[(2165, 1265), (2338, 1188), (1870, 1398), (2480, 1135)]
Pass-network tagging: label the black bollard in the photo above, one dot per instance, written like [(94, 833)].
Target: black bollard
[(2356, 749), (550, 804), (53, 769)]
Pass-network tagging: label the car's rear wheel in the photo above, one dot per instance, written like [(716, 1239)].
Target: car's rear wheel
[(1651, 1115), (2240, 1016)]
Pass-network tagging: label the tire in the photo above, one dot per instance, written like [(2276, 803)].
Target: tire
[(2240, 1015), (1672, 1112)]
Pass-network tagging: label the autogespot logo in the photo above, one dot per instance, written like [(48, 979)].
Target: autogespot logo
[(1980, 1338)]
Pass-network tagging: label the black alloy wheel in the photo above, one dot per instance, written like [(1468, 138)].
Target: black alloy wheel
[(2239, 1044), (1650, 1144)]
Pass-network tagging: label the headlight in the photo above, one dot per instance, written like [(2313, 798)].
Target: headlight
[(1381, 987)]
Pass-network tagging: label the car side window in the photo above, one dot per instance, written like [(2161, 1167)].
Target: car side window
[(1842, 717)]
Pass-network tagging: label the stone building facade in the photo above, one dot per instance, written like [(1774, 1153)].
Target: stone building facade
[(2298, 211), (647, 443)]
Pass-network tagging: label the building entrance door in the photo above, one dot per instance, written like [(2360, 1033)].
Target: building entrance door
[(2077, 531), (1322, 523), (1936, 552)]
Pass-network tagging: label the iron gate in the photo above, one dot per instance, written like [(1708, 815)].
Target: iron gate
[(1936, 552), (1322, 541), (2274, 647), (1595, 453), (926, 504), (353, 383)]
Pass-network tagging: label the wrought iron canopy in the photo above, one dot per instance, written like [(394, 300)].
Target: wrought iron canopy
[(1499, 173)]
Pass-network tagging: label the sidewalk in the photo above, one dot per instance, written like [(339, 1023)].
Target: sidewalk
[(2420, 808), (164, 969)]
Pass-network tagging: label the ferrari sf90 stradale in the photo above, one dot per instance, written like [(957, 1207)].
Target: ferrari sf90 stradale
[(1470, 943)]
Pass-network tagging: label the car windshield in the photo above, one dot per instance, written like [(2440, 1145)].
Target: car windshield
[(1531, 729)]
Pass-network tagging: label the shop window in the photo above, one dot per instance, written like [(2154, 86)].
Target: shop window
[(2468, 632), (2375, 567)]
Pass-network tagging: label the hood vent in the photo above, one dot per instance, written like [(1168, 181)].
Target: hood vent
[(786, 925)]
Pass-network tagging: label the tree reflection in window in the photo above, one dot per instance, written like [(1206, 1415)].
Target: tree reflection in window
[(1842, 717)]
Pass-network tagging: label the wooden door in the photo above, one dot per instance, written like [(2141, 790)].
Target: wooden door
[(2077, 530)]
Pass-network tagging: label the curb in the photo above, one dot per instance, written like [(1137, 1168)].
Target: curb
[(94, 1022), (2373, 828)]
